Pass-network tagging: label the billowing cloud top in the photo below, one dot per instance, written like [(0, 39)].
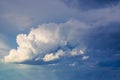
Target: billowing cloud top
[(49, 42)]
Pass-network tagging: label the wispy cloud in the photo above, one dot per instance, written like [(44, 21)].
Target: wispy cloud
[(4, 48), (20, 21)]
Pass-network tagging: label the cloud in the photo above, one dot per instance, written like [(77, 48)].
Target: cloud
[(22, 15), (75, 52), (51, 56), (85, 57), (4, 47), (22, 21), (103, 16), (92, 4), (94, 35), (74, 37), (48, 42)]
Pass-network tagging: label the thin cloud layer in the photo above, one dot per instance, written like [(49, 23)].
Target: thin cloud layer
[(21, 21), (22, 15), (4, 47)]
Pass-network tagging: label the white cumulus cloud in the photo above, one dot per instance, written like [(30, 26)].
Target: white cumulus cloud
[(85, 57), (49, 42), (51, 56)]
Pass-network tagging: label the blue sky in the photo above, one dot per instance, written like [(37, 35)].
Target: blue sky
[(70, 32)]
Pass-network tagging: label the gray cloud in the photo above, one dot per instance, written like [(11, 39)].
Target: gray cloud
[(90, 4)]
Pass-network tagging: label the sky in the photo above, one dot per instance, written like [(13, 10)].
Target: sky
[(63, 32)]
